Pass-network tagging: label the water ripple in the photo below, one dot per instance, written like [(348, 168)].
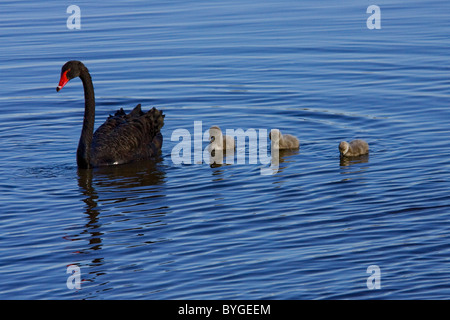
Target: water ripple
[(156, 230)]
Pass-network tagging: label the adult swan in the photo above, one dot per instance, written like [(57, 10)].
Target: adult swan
[(123, 138)]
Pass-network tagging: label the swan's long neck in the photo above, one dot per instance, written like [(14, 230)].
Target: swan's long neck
[(85, 143)]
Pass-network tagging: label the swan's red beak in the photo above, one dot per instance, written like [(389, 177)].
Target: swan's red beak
[(63, 81)]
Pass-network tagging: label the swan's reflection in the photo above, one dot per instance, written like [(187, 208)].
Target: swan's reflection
[(282, 157), (279, 160), (346, 164), (348, 161), (218, 158), (92, 212), (118, 182)]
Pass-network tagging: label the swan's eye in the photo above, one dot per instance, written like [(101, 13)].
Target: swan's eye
[(213, 138)]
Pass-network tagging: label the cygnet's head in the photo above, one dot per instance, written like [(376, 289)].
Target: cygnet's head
[(343, 147), (274, 135), (214, 133)]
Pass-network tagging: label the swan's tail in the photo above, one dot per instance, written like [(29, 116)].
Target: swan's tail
[(148, 124), (155, 118)]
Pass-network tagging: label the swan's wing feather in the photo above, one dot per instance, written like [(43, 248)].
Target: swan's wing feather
[(128, 137), (137, 112)]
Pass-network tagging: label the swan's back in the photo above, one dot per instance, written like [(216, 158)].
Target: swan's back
[(228, 142), (355, 148), (129, 137), (288, 141), (285, 141), (359, 147)]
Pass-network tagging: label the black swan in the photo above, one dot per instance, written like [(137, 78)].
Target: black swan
[(123, 138)]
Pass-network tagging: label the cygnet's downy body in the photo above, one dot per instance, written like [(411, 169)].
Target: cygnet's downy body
[(284, 141), (218, 141), (354, 148)]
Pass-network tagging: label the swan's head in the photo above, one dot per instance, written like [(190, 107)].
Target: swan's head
[(275, 135), (214, 134), (69, 70), (343, 147)]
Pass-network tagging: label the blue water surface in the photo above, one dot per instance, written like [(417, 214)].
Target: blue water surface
[(161, 230)]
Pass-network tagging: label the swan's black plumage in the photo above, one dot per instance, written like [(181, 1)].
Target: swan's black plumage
[(129, 137), (123, 138)]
